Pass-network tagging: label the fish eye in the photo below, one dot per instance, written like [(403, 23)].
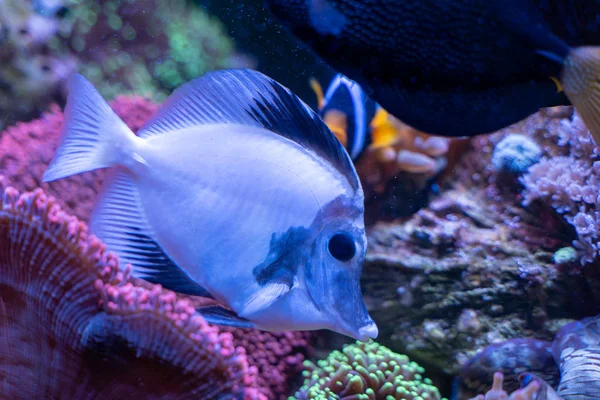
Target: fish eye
[(341, 247)]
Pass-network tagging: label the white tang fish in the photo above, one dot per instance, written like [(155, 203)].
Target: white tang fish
[(235, 190)]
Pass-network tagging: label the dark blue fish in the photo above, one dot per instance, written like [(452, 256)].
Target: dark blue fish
[(459, 67)]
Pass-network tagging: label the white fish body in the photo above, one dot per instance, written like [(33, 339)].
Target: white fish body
[(223, 182), (210, 199)]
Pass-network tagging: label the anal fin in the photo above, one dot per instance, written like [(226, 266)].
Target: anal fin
[(119, 221), (218, 315)]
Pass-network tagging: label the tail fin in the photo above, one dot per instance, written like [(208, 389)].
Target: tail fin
[(93, 135), (581, 83)]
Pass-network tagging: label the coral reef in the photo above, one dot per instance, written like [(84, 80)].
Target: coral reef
[(31, 76), (27, 148), (569, 183), (511, 358), (366, 371), (25, 151), (400, 166), (477, 266), (397, 147), (144, 47), (278, 357), (73, 326), (515, 153), (576, 350), (570, 363), (535, 389)]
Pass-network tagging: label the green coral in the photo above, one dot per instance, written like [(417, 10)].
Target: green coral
[(146, 47), (197, 44), (366, 371)]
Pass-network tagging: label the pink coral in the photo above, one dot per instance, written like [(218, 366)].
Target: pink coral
[(79, 329), (278, 357), (570, 184), (27, 148)]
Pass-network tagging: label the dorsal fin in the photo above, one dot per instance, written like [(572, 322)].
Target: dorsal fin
[(247, 97)]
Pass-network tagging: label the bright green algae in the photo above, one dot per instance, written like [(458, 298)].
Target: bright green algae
[(366, 371)]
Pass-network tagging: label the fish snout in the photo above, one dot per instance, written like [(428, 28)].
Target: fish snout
[(368, 332)]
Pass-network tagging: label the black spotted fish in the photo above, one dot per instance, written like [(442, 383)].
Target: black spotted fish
[(459, 67), (236, 190)]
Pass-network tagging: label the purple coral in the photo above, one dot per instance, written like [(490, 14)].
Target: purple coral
[(78, 329), (570, 184)]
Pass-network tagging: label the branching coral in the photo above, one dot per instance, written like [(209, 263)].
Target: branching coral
[(563, 184), (72, 326), (366, 371), (570, 185)]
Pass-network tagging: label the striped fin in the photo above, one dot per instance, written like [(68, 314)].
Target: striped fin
[(119, 221)]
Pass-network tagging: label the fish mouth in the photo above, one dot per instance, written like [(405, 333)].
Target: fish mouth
[(368, 332), (363, 334)]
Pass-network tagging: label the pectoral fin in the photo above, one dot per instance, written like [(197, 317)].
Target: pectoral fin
[(263, 298), (218, 315)]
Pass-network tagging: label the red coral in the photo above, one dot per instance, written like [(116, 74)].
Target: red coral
[(27, 148), (74, 327), (278, 357)]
